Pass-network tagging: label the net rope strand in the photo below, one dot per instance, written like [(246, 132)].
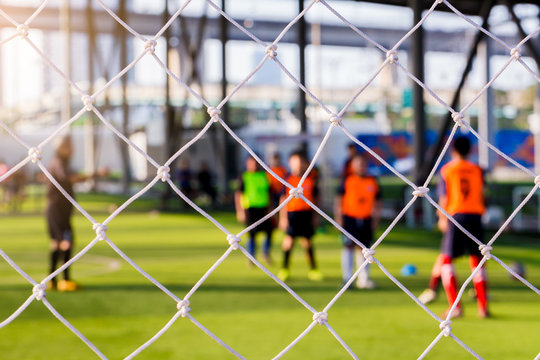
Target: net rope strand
[(181, 306)]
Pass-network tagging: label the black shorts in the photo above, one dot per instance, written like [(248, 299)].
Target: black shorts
[(274, 199), (455, 243), (300, 224), (361, 229), (59, 225), (255, 214)]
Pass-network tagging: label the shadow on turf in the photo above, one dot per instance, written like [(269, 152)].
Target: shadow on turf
[(298, 286)]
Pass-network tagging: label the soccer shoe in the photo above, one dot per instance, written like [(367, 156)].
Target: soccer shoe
[(483, 313), (366, 284), (315, 275), (267, 259), (458, 312), (472, 294), (67, 285), (51, 285), (283, 274), (427, 296)]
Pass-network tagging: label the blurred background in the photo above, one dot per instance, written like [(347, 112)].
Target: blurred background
[(269, 113)]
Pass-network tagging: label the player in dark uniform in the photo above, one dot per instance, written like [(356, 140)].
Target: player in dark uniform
[(252, 200), (357, 208), (205, 183), (297, 217), (59, 210), (461, 191), (351, 153)]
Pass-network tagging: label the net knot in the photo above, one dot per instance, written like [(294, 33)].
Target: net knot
[(335, 120), (88, 102), (392, 56), (420, 191), (39, 291), (271, 51), (537, 180), (485, 250), (214, 113), (321, 318), (100, 230), (164, 173), (183, 308), (368, 255), (296, 192), (458, 118), (445, 327), (35, 154), (150, 45), (233, 241), (22, 30), (515, 53)]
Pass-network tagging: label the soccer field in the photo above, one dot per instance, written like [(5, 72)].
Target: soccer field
[(118, 309)]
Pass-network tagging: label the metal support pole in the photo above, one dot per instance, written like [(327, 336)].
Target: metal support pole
[(224, 83), (170, 147), (171, 138), (65, 27), (447, 122), (302, 103), (89, 137), (228, 153), (486, 121), (417, 58), (536, 111), (536, 133), (529, 44), (124, 150)]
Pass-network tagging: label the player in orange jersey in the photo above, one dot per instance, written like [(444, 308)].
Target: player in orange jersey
[(297, 217), (357, 208), (461, 194)]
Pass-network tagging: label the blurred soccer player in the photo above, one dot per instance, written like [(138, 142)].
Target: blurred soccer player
[(59, 210), (252, 199), (430, 294), (205, 183), (276, 187), (351, 153), (357, 208), (297, 218), (184, 178), (15, 187), (461, 191)]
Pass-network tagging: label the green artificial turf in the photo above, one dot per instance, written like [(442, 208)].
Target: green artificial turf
[(118, 309)]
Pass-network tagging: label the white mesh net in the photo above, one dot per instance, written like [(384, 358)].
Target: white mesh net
[(318, 316)]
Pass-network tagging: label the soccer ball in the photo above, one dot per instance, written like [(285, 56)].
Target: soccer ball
[(408, 270)]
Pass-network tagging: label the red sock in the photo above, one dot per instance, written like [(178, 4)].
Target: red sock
[(480, 282), (436, 273), (448, 278)]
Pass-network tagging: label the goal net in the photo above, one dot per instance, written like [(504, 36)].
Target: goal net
[(21, 32)]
